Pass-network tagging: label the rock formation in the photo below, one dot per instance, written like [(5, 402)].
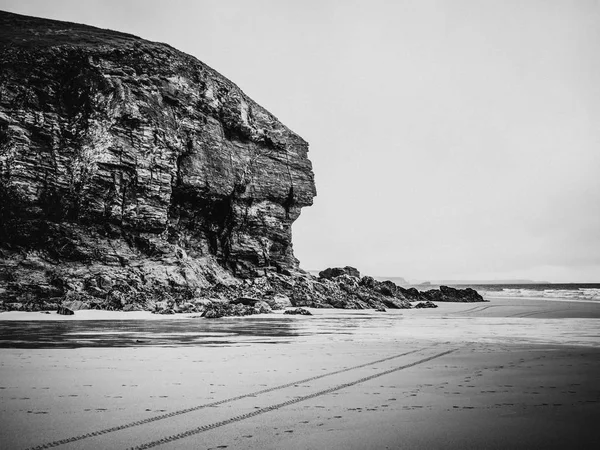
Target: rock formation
[(125, 162), (133, 176), (449, 294)]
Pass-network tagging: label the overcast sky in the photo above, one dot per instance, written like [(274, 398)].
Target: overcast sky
[(454, 139)]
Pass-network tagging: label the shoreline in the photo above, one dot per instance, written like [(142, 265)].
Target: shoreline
[(500, 306)]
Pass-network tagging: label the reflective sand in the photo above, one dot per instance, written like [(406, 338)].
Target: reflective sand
[(518, 376)]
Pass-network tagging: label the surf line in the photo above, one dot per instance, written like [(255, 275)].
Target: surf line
[(203, 428), (212, 404)]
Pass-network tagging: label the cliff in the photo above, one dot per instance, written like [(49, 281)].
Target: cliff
[(133, 176), (128, 163)]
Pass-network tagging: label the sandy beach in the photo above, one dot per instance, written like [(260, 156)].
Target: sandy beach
[(509, 373)]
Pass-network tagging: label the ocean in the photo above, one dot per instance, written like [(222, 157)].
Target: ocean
[(550, 291)]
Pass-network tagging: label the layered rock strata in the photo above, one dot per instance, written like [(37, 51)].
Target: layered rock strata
[(128, 164)]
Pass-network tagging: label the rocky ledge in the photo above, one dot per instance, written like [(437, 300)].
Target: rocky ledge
[(133, 176), (258, 295)]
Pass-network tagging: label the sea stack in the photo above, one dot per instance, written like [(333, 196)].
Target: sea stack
[(125, 162)]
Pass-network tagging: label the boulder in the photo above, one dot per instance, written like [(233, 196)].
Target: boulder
[(298, 311), (426, 304), (279, 301), (76, 305), (163, 307), (262, 308), (333, 272), (133, 307), (449, 294), (64, 311), (217, 310), (247, 301)]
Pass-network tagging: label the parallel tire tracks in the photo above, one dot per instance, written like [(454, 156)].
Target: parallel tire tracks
[(477, 309), (203, 428), (536, 313), (208, 405)]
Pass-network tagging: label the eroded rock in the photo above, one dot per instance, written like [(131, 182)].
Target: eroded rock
[(218, 310), (125, 162), (64, 311), (333, 272), (298, 311), (449, 294), (427, 304), (279, 301)]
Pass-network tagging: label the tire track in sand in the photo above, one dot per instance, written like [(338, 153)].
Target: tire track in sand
[(212, 426), (208, 405)]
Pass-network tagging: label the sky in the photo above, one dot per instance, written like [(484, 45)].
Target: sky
[(451, 140)]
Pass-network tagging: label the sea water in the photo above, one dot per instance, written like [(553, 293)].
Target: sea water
[(551, 291)]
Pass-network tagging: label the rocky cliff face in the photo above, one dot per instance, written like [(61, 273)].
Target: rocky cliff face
[(125, 162)]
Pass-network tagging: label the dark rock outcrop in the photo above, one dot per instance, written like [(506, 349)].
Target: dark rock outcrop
[(278, 301), (448, 294), (247, 301), (426, 304), (128, 167), (298, 312), (64, 311), (218, 310), (333, 272)]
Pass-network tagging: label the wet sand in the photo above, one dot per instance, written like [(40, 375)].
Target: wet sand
[(512, 373)]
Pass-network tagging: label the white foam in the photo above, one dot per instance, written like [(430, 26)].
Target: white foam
[(581, 294)]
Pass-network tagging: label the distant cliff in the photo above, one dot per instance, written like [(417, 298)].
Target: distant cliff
[(125, 162)]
